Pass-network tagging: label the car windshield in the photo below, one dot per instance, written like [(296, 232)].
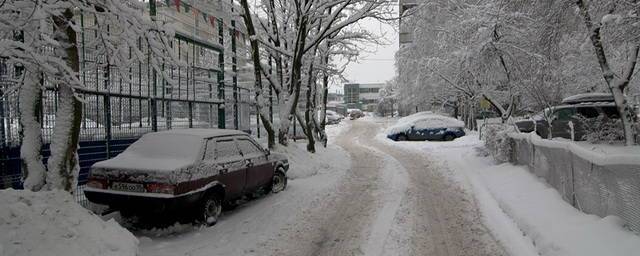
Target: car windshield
[(166, 146)]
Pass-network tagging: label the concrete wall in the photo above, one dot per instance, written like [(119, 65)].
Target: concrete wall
[(598, 183)]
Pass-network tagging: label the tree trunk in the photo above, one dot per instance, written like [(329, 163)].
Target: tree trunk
[(617, 86), (30, 104), (296, 76), (63, 163), (255, 54)]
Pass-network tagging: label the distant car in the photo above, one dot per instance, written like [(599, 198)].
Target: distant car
[(589, 105), (333, 117), (186, 171), (355, 114), (426, 126)]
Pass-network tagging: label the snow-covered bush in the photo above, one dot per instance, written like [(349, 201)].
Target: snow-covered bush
[(497, 141), (601, 129)]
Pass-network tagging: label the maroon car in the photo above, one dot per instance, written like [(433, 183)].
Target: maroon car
[(194, 170)]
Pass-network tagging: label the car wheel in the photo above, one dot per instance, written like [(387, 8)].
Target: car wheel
[(211, 209), (449, 137), (402, 138), (279, 181)]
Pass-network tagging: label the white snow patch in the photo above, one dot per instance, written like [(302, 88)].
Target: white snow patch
[(52, 223), (303, 164)]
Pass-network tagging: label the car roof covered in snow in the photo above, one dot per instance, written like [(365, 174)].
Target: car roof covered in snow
[(588, 97), (202, 133)]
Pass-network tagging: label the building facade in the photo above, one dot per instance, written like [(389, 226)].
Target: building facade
[(362, 96), (406, 35)]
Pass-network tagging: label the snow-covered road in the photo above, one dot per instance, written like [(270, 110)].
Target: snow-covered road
[(391, 201)]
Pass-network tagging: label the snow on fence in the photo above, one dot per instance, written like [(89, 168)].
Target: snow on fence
[(594, 182)]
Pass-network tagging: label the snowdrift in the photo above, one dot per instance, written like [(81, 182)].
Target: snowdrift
[(51, 223), (424, 120)]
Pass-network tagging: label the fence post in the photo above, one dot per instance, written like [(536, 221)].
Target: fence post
[(107, 122), (190, 104), (234, 68), (154, 114), (221, 107), (258, 120)]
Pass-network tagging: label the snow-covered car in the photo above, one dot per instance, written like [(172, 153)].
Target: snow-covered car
[(355, 114), (191, 171), (572, 109), (333, 117), (426, 126)]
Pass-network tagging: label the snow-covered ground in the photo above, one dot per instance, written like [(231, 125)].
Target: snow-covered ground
[(52, 223), (362, 195), (526, 215)]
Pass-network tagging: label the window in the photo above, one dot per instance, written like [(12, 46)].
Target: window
[(226, 150), (563, 114), (209, 150), (611, 112), (588, 112), (248, 148)]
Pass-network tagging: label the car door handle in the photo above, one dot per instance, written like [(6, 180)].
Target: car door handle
[(249, 164), (223, 171)]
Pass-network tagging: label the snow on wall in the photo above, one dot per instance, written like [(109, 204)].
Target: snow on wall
[(51, 223), (597, 179)]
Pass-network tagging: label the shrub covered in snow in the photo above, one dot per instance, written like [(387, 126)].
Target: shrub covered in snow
[(497, 141), (52, 223), (601, 129)]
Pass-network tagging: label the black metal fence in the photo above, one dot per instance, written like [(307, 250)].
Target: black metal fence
[(122, 104)]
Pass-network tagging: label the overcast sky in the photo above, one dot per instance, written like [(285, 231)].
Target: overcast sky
[(376, 65)]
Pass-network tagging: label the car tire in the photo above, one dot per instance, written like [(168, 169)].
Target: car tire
[(402, 138), (210, 209), (279, 181), (449, 137)]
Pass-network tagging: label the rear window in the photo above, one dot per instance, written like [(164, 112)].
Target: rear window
[(167, 146)]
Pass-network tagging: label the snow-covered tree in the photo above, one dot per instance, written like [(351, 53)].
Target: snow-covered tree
[(41, 39), (298, 37)]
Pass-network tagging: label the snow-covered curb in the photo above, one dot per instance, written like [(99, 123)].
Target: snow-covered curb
[(52, 223)]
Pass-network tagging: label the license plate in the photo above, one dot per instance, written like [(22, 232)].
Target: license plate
[(129, 187)]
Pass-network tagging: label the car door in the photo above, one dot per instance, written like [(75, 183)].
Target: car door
[(419, 130), (560, 122), (231, 167), (259, 170)]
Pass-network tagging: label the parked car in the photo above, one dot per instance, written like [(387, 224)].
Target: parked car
[(186, 171), (333, 117), (426, 126), (572, 109), (355, 114)]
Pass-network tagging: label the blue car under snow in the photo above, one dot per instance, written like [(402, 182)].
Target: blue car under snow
[(426, 126)]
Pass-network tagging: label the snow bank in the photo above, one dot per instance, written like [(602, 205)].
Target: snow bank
[(51, 223), (555, 226), (424, 120), (303, 164)]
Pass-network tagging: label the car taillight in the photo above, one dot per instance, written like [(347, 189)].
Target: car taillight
[(97, 183), (161, 188)]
